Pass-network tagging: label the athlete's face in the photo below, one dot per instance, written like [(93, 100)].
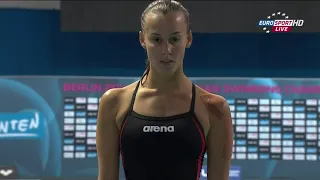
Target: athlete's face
[(165, 38)]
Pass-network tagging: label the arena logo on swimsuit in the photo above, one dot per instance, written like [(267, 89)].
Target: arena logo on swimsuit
[(158, 129)]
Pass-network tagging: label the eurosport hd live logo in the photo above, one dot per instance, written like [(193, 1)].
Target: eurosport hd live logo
[(279, 22)]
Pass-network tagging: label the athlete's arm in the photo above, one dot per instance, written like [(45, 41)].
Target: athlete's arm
[(219, 139), (107, 136)]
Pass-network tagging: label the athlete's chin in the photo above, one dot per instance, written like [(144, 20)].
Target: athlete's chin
[(167, 71)]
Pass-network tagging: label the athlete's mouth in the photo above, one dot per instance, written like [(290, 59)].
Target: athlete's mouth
[(166, 62)]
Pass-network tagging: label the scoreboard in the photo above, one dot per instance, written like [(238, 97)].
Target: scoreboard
[(80, 124), (263, 128), (276, 124), (275, 129)]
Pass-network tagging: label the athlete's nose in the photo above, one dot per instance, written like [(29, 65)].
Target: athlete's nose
[(166, 48)]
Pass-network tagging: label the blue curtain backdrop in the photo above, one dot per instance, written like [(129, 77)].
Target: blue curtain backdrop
[(31, 44)]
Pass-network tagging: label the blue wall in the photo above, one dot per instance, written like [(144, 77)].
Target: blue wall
[(31, 44)]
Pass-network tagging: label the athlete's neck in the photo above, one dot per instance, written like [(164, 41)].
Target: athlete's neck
[(172, 82)]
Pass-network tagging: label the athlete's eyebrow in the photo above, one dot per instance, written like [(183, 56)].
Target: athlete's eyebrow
[(157, 34), (177, 32)]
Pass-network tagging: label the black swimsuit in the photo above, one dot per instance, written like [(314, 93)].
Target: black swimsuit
[(162, 148)]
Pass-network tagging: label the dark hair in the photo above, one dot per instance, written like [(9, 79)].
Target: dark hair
[(163, 7)]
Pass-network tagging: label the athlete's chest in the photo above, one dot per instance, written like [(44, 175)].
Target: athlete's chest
[(170, 135), (177, 126), (162, 105), (157, 105)]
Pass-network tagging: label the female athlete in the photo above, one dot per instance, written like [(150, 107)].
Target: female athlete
[(163, 124)]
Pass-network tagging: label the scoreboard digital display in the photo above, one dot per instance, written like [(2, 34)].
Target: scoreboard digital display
[(276, 125), (80, 124), (263, 128), (275, 129)]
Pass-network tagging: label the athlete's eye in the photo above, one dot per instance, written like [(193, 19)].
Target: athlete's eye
[(155, 39), (174, 40)]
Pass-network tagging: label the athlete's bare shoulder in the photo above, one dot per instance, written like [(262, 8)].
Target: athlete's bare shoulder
[(107, 138), (116, 95), (221, 129), (131, 87), (111, 96), (212, 99), (217, 106), (117, 102)]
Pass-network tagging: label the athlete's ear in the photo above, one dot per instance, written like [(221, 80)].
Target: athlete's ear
[(142, 39), (189, 39)]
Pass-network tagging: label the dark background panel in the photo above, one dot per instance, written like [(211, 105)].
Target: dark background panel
[(206, 16), (32, 44)]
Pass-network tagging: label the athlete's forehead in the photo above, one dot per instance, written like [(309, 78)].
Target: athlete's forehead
[(165, 24)]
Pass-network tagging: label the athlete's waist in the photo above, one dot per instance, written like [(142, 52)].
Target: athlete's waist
[(167, 171), (162, 176)]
